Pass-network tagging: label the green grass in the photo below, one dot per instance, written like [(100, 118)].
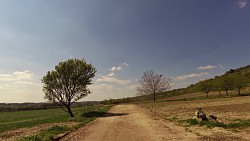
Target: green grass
[(47, 135), (237, 124), (19, 119)]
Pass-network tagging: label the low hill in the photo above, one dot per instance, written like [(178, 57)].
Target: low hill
[(234, 80)]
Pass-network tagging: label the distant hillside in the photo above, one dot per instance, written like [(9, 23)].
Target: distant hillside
[(233, 79), (241, 74)]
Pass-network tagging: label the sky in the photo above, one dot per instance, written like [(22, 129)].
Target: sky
[(187, 41)]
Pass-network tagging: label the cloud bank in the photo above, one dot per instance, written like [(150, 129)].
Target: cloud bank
[(113, 80), (187, 76), (20, 86), (207, 67), (16, 79)]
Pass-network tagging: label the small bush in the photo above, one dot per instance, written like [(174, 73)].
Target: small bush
[(192, 121), (214, 124), (239, 123)]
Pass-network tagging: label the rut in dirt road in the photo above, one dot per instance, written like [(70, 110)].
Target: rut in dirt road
[(128, 123)]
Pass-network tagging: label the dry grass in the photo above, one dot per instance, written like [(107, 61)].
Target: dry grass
[(221, 137), (228, 110)]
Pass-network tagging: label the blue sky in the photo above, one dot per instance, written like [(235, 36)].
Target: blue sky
[(185, 40)]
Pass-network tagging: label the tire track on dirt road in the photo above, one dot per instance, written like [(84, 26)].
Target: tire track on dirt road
[(130, 123)]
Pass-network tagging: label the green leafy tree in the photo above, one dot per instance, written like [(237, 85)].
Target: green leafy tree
[(68, 83), (151, 83), (218, 84), (228, 83), (206, 87), (240, 82)]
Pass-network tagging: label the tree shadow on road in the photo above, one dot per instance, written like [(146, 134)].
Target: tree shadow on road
[(101, 114)]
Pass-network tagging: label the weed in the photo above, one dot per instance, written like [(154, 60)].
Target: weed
[(210, 124), (239, 123), (30, 138), (192, 121)]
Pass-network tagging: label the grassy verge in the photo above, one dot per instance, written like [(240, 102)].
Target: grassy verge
[(48, 134), (237, 124)]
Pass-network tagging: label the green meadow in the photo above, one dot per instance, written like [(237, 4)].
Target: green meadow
[(29, 118)]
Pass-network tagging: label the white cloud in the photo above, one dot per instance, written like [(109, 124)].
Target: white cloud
[(116, 68), (106, 91), (101, 87), (207, 67), (242, 3), (119, 67), (111, 74), (113, 80), (125, 64), (20, 86), (16, 77), (184, 77), (108, 86)]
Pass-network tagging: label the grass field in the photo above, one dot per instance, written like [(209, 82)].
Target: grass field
[(23, 119)]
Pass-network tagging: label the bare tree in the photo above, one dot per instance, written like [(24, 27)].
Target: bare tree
[(152, 83)]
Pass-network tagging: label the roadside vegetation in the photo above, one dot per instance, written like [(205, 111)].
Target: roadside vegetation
[(48, 134)]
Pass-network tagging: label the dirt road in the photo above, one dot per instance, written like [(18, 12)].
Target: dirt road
[(130, 123)]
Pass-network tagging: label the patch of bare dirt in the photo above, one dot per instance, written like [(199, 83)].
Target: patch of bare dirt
[(130, 122), (24, 132), (221, 137), (227, 110)]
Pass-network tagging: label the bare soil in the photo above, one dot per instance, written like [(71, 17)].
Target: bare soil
[(130, 122), (228, 110)]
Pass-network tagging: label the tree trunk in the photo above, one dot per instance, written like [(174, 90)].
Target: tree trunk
[(220, 93), (154, 96), (207, 94), (239, 91), (227, 92), (70, 112)]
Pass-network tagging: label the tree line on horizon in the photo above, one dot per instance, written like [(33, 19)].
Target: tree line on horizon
[(232, 80)]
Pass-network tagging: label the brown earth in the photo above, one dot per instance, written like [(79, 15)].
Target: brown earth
[(228, 110), (130, 122)]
